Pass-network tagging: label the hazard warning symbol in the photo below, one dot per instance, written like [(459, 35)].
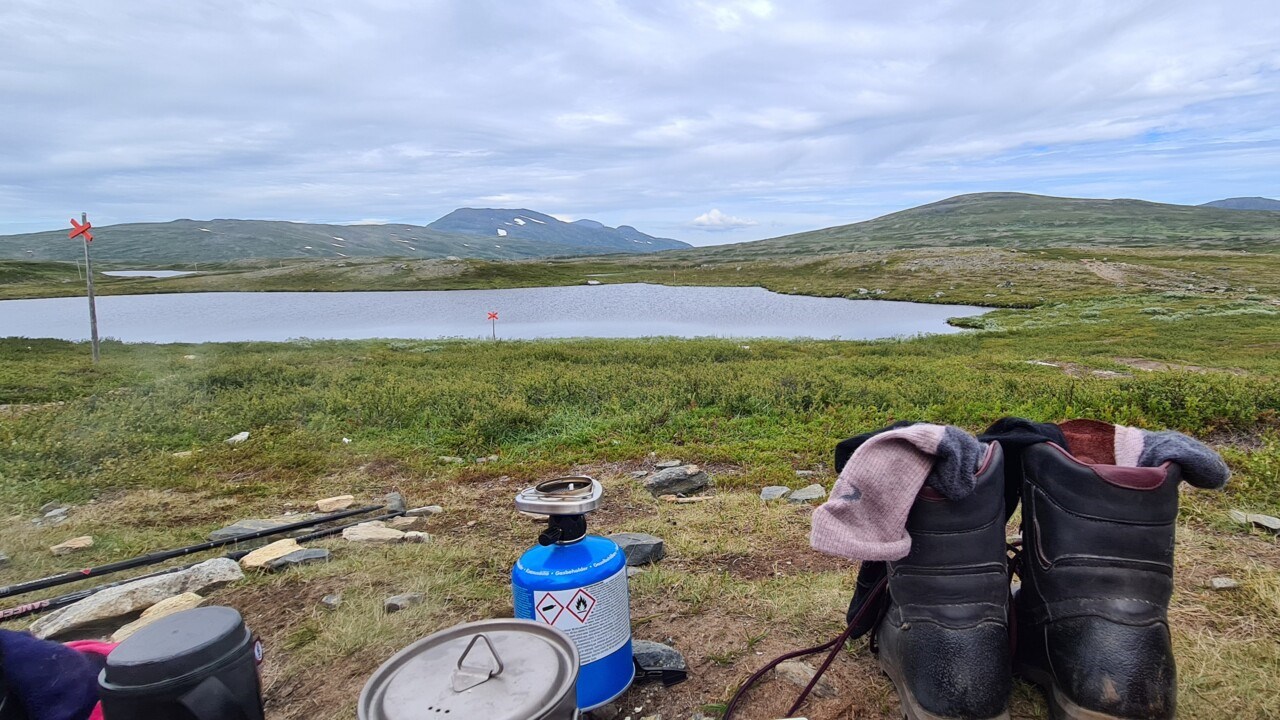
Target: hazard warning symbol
[(580, 605), (549, 608)]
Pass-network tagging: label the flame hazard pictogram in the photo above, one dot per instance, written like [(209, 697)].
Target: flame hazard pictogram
[(580, 605)]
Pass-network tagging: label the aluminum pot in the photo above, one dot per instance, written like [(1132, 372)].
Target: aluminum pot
[(491, 670)]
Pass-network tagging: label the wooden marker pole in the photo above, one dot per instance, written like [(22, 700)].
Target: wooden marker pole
[(81, 231)]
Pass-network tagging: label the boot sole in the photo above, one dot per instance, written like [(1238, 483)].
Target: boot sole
[(1060, 706), (912, 710)]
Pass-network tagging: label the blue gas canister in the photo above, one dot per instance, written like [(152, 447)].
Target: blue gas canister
[(577, 583)]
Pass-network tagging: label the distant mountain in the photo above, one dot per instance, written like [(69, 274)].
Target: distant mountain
[(1246, 203), (1006, 219), (530, 225), (210, 241)]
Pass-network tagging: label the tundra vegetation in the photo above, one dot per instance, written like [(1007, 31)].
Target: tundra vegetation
[(1156, 338)]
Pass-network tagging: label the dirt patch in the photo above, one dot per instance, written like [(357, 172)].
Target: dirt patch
[(1107, 271), (1161, 366)]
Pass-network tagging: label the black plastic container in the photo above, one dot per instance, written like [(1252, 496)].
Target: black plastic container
[(199, 664)]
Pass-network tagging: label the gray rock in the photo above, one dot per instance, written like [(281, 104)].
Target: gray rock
[(237, 438), (493, 458), (49, 507), (1223, 583), (640, 548), (667, 464), (1266, 522), (124, 600), (608, 711), (425, 511), (331, 602), (394, 502), (806, 494), (637, 474), (305, 556), (633, 571), (658, 656), (244, 527), (4, 560), (451, 459), (677, 481), (800, 673), (396, 603), (806, 473), (774, 492)]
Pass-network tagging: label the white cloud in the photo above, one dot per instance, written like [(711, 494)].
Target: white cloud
[(716, 220), (793, 114)]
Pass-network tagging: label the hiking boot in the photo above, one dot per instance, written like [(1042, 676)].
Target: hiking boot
[(1091, 621), (944, 637)]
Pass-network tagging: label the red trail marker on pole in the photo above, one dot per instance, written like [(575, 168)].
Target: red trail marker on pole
[(493, 322), (81, 230)]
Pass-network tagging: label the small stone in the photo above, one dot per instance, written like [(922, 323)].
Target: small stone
[(183, 454), (404, 522), (188, 357), (1266, 522), (72, 545), (56, 514), (806, 494), (637, 474), (49, 507), (607, 711), (372, 533), (415, 536), (667, 464), (346, 441), (681, 480), (1223, 583), (166, 607), (4, 560), (640, 548), (633, 571), (472, 523), (259, 558), (425, 511), (298, 558), (451, 459), (774, 492), (331, 602), (656, 656), (493, 458), (394, 502), (237, 438), (335, 503), (396, 603), (800, 673), (136, 595), (807, 473), (244, 527)]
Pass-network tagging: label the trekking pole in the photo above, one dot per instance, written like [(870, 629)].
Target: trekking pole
[(161, 556), (71, 598)]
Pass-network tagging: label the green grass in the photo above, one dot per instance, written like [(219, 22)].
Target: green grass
[(739, 585)]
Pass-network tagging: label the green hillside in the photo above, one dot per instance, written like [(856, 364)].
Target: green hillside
[(1018, 220), (214, 241)]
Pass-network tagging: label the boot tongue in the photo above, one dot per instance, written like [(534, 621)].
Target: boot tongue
[(1091, 441)]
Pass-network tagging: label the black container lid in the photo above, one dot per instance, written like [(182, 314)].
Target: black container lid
[(176, 646)]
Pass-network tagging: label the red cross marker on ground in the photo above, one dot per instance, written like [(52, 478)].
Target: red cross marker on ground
[(78, 230)]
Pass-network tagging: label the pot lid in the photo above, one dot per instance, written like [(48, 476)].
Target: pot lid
[(502, 669)]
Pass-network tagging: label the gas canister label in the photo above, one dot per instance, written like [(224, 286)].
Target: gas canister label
[(596, 617)]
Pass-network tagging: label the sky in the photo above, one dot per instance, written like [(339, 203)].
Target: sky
[(707, 121)]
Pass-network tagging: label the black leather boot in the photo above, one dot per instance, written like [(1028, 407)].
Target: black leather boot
[(1097, 572), (944, 638)]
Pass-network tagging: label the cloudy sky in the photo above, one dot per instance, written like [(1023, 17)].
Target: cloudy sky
[(708, 121)]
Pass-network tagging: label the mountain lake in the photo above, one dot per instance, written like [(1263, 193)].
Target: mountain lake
[(602, 311)]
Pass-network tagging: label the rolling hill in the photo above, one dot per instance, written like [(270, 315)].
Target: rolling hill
[(221, 241), (1019, 220), (1245, 203), (526, 224)]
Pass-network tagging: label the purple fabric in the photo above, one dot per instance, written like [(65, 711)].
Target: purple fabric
[(50, 680)]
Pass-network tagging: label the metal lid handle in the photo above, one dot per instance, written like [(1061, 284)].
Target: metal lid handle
[(466, 677)]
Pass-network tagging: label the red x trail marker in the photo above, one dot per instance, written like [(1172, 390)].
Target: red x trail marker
[(493, 316), (78, 230)]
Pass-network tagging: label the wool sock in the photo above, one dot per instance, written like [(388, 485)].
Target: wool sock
[(865, 516)]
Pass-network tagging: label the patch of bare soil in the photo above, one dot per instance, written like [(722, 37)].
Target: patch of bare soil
[(1161, 366), (1110, 272)]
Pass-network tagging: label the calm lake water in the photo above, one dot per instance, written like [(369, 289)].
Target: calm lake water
[(148, 273), (610, 311)]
